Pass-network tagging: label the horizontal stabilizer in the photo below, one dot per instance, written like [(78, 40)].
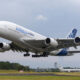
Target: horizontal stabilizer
[(74, 51)]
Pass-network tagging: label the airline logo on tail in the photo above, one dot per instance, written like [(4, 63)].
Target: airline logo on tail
[(73, 33)]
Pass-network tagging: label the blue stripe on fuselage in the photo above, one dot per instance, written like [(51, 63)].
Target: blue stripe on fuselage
[(63, 52), (24, 32)]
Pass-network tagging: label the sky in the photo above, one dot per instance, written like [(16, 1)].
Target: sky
[(52, 18)]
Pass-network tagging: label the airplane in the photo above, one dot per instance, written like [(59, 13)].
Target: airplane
[(68, 70), (62, 69), (25, 40)]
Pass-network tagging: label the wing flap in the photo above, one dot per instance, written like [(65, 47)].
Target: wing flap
[(66, 43), (15, 47)]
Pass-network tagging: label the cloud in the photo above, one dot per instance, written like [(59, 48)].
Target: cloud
[(41, 17)]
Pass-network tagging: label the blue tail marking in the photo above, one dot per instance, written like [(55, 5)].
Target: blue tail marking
[(73, 33), (63, 52)]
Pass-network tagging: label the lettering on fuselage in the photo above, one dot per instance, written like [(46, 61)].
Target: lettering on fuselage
[(24, 32)]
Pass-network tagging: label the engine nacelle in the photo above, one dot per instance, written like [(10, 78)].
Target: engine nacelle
[(77, 40), (51, 42), (4, 47)]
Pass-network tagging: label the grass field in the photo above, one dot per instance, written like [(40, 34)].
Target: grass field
[(73, 77), (68, 73), (38, 78), (60, 73)]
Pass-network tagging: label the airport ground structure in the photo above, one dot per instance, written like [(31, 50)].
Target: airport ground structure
[(22, 68)]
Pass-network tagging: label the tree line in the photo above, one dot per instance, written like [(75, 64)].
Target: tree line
[(13, 66)]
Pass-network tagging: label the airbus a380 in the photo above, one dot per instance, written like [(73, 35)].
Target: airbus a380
[(25, 40)]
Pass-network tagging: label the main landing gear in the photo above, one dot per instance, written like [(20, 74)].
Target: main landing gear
[(45, 54), (27, 54)]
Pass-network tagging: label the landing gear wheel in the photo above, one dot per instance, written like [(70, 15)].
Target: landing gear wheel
[(45, 54), (35, 55), (26, 55)]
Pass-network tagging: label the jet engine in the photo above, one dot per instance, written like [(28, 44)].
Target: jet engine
[(77, 40), (51, 42), (4, 47)]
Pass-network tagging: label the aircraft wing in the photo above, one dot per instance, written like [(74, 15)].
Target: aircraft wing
[(65, 43), (51, 44), (42, 45), (73, 51)]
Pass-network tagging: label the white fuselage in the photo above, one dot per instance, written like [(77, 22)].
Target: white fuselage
[(16, 33)]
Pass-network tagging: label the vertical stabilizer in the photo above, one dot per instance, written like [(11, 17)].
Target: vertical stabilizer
[(73, 33)]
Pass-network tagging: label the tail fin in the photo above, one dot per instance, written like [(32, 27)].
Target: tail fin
[(73, 33)]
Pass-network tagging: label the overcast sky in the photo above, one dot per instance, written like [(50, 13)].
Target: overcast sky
[(52, 18)]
